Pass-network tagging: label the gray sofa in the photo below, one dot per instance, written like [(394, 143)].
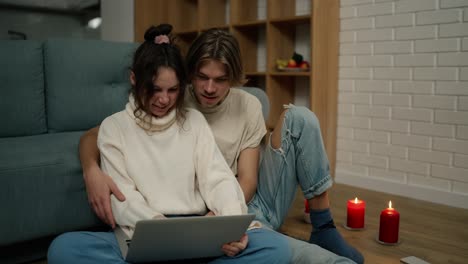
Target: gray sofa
[(51, 93)]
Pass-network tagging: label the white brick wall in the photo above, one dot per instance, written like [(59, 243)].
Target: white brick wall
[(465, 40), (462, 132), (415, 32), (403, 98)]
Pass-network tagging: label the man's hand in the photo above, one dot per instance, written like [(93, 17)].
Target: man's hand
[(99, 187), (234, 248)]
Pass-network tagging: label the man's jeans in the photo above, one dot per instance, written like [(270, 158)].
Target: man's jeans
[(302, 160)]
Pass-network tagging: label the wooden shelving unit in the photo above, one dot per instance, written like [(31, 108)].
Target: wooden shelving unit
[(271, 29)]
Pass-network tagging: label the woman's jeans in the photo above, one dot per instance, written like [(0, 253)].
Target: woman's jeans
[(265, 246)]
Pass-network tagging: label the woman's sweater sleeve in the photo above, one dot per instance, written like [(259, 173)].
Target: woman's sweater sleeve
[(217, 184), (113, 152)]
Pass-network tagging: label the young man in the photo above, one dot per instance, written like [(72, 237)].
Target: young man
[(294, 155)]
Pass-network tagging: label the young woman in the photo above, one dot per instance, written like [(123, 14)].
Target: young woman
[(164, 159)]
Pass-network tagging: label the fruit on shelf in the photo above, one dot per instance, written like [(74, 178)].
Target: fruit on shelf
[(281, 63), (304, 65), (295, 63), (292, 63)]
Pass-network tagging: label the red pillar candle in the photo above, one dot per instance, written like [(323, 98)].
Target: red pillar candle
[(389, 225), (356, 213), (306, 211)]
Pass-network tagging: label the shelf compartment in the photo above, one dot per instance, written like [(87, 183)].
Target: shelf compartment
[(185, 32), (250, 24), (255, 73), (184, 39), (281, 8), (213, 13), (288, 8), (279, 73), (247, 11), (280, 90), (286, 38), (291, 20), (183, 15), (223, 27), (252, 44), (148, 13), (256, 80)]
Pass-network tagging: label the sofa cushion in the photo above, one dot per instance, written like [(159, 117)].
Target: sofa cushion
[(87, 80), (22, 88), (42, 191)]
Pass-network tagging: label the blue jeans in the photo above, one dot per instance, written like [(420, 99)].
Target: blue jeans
[(302, 160), (265, 246)]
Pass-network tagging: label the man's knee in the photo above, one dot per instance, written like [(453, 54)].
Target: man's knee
[(302, 117), (297, 120)]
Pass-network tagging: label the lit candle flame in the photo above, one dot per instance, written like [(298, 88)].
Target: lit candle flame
[(390, 204), (355, 200)]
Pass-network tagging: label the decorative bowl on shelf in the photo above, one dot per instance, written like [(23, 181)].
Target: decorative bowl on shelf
[(292, 69)]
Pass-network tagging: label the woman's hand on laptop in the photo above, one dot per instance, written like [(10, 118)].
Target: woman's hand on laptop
[(234, 248)]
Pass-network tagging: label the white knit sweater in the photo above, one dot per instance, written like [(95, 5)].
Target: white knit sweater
[(176, 171)]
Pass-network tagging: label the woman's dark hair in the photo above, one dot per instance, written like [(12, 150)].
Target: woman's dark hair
[(150, 56)]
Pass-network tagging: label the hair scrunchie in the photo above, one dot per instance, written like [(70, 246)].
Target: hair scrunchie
[(160, 39)]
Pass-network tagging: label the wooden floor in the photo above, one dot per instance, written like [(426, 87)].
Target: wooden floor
[(434, 233)]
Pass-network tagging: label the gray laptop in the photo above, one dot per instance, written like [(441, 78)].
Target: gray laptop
[(180, 238)]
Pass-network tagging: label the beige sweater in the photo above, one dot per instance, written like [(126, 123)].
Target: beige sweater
[(237, 123), (176, 171)]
